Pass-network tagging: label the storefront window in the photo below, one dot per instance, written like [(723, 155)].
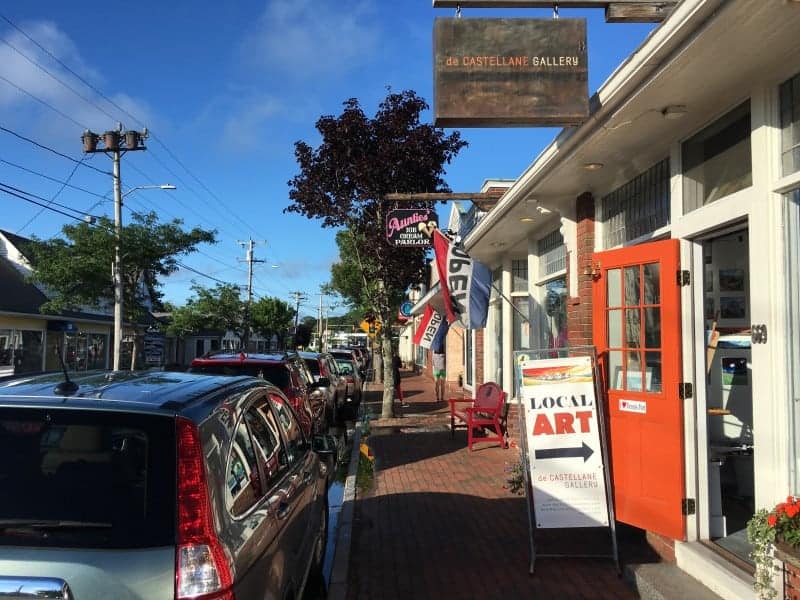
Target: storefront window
[(717, 161), (85, 351), (96, 351), (522, 326), (637, 208), (519, 276), (553, 314), (20, 351), (552, 254), (6, 350), (790, 125)]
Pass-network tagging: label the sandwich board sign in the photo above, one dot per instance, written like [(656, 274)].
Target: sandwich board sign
[(563, 440)]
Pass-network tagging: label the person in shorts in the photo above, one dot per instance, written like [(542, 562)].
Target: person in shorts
[(439, 374)]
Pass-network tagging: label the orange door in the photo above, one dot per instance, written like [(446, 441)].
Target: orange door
[(636, 326)]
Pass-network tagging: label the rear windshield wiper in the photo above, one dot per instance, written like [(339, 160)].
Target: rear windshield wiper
[(51, 524)]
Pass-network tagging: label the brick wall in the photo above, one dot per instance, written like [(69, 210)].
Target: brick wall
[(579, 308), (791, 582), (512, 422), (479, 357)]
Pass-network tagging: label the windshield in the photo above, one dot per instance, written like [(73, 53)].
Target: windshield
[(86, 479), (345, 366)]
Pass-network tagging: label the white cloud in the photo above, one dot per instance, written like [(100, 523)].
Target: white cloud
[(26, 75), (308, 39), (246, 125)]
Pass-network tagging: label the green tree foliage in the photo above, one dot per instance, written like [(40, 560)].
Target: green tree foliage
[(272, 316), (77, 269), (218, 309), (345, 179), (344, 182), (303, 335)]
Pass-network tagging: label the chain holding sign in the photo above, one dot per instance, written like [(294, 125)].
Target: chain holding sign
[(564, 443)]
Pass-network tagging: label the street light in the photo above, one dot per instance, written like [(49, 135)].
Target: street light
[(163, 186)]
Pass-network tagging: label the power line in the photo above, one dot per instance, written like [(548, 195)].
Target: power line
[(53, 199), (53, 179), (49, 202), (117, 106), (50, 208), (63, 83), (188, 268), (45, 102), (49, 149)]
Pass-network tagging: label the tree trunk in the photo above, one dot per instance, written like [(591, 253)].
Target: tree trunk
[(377, 359), (387, 411), (134, 350)]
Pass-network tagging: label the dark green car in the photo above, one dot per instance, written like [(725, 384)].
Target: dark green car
[(157, 485)]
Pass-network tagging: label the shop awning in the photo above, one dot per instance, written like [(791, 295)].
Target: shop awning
[(432, 297)]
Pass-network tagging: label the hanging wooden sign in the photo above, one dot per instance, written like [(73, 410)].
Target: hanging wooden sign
[(411, 226), (510, 72)]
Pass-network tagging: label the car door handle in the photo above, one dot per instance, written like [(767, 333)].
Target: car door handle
[(283, 510)]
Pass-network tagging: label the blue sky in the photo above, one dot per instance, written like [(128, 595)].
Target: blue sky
[(227, 88)]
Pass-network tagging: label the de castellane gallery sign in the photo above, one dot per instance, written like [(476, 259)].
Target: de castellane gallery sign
[(510, 72)]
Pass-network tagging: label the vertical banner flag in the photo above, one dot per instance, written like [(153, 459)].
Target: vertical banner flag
[(563, 437), (465, 283), (432, 330)]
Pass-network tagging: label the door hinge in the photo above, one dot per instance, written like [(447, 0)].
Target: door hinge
[(683, 278), (685, 391), (687, 506)]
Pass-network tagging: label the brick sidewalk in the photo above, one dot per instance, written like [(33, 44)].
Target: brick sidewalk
[(439, 522)]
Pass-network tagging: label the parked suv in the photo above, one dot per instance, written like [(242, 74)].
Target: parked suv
[(157, 486), (331, 387), (286, 370)]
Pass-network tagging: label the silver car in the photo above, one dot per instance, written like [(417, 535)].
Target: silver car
[(157, 486)]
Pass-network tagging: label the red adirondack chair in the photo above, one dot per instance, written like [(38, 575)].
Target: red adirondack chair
[(486, 412)]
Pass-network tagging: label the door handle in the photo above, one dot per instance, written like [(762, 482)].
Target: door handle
[(283, 510)]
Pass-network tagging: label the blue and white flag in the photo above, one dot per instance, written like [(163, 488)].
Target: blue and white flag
[(466, 284), (432, 330)]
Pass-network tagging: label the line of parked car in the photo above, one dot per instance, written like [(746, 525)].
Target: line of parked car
[(209, 484)]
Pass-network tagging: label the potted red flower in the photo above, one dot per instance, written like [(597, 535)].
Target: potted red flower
[(777, 532)]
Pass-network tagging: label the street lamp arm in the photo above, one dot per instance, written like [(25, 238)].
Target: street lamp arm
[(163, 186)]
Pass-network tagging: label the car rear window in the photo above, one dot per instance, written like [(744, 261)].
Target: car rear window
[(276, 374), (88, 479)]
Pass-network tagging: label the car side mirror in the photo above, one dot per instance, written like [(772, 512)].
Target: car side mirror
[(324, 446)]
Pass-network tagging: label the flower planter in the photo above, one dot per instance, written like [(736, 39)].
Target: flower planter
[(787, 553)]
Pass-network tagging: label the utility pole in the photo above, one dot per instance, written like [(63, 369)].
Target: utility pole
[(116, 144), (249, 260), (298, 298), (319, 321)]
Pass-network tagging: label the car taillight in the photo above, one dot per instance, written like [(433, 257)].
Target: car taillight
[(201, 566), (349, 379)]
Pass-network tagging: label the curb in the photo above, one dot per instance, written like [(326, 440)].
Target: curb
[(337, 588)]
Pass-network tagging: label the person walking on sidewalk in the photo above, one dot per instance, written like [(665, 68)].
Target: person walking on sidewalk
[(439, 374), (396, 364)]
